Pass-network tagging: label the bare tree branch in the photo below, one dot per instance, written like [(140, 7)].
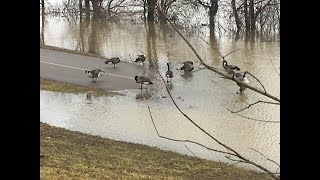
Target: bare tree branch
[(266, 102), (206, 5), (214, 69), (266, 157), (237, 161), (231, 52), (225, 146), (254, 119), (189, 141), (221, 167), (258, 81)]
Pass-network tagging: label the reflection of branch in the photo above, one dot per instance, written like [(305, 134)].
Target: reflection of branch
[(252, 118), (266, 157), (267, 102), (185, 140)]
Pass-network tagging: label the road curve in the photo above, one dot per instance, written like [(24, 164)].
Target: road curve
[(69, 67)]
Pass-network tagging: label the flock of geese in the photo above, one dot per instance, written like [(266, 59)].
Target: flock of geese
[(187, 68)]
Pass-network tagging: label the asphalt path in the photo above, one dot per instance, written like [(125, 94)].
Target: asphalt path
[(70, 68)]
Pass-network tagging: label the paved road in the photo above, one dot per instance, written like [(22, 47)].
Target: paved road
[(68, 67)]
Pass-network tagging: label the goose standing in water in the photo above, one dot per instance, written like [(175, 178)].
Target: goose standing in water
[(143, 80), (187, 66), (169, 74), (113, 60), (141, 58), (94, 74), (228, 67), (242, 78)]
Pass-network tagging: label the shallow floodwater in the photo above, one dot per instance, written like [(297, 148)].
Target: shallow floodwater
[(204, 96), (127, 119)]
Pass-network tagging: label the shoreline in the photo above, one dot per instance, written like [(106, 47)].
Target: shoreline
[(70, 154)]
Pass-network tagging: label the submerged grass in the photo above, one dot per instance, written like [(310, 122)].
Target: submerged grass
[(66, 154), (57, 86)]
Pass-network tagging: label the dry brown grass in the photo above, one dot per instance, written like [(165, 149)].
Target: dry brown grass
[(73, 155)]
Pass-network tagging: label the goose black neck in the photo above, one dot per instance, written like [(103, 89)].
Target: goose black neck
[(168, 66)]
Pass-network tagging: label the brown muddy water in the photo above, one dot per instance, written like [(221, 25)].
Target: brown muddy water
[(204, 96)]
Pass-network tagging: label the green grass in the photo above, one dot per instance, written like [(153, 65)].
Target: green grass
[(57, 86), (66, 154)]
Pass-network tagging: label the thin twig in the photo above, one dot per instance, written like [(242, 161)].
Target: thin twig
[(266, 102), (266, 157), (219, 164), (189, 141), (258, 81), (254, 119), (231, 52), (274, 66), (237, 161)]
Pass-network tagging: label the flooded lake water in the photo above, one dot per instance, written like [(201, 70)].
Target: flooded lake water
[(204, 96)]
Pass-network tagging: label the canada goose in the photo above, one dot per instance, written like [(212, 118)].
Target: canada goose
[(229, 67), (141, 58), (94, 74), (113, 60), (169, 73), (187, 66), (242, 78), (142, 80), (188, 62)]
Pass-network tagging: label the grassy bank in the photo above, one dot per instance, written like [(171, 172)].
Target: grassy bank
[(66, 154), (57, 86)]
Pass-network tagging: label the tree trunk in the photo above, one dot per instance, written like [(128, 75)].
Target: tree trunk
[(212, 13), (246, 18), (87, 7), (144, 10), (80, 8), (236, 17), (151, 6), (42, 6), (151, 45), (252, 20)]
